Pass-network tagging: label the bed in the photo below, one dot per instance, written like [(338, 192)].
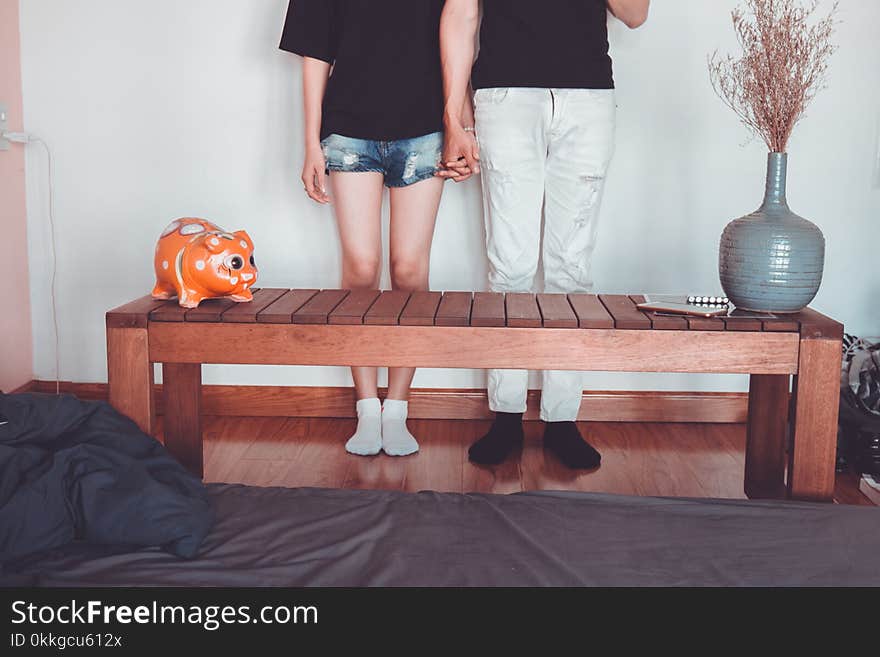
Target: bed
[(320, 537)]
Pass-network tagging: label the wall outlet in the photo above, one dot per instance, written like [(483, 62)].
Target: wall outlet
[(4, 121)]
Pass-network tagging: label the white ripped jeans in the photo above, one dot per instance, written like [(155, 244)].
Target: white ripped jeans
[(542, 149)]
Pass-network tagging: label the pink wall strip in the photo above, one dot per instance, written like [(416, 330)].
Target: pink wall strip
[(16, 344)]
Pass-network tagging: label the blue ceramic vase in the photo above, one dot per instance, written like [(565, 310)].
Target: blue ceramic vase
[(772, 260)]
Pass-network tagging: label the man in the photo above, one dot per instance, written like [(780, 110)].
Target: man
[(543, 139)]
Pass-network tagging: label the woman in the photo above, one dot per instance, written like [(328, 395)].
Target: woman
[(373, 118)]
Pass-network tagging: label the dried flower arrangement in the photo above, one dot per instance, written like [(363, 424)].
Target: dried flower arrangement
[(783, 66)]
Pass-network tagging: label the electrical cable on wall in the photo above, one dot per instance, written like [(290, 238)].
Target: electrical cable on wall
[(25, 138)]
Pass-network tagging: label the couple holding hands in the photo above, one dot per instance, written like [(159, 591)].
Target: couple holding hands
[(394, 99)]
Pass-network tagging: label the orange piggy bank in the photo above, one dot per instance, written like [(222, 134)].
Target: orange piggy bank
[(197, 260)]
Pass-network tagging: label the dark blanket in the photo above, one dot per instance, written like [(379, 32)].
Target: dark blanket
[(73, 470), (310, 537)]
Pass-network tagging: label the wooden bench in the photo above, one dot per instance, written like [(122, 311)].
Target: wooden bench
[(486, 330)]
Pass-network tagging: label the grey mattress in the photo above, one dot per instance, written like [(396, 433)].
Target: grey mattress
[(311, 537)]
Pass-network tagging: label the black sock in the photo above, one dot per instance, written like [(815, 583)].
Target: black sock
[(505, 435), (566, 442)]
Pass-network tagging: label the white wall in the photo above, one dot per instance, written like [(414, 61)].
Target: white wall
[(160, 108)]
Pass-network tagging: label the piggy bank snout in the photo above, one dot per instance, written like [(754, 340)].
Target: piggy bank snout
[(239, 269), (224, 272)]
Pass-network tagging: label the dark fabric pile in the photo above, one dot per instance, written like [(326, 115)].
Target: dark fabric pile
[(79, 471), (311, 537)]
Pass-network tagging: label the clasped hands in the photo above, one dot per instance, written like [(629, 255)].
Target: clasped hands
[(461, 154)]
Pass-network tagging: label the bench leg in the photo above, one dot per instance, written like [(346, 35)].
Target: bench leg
[(766, 436), (130, 376), (816, 404), (182, 386)]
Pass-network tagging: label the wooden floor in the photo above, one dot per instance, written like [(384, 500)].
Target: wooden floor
[(687, 460)]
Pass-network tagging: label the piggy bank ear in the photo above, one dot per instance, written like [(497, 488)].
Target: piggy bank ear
[(214, 244), (243, 236)]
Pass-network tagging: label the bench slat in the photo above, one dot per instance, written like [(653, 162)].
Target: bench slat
[(281, 311), (523, 311), (740, 324), (169, 311), (317, 309), (624, 312), (352, 310), (706, 323), (488, 309), (135, 314), (662, 322), (421, 309), (591, 314), (455, 309), (246, 313), (209, 310), (387, 309), (556, 311), (782, 325)]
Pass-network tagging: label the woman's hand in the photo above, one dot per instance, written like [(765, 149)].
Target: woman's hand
[(461, 155), (316, 72), (314, 175)]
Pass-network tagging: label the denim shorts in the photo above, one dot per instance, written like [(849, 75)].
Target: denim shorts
[(403, 162)]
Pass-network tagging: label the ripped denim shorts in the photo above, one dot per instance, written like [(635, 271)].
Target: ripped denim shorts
[(403, 162)]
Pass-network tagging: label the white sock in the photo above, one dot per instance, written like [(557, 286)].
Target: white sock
[(396, 438), (367, 440)]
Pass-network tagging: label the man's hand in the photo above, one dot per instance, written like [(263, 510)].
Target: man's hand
[(458, 31), (461, 154), (314, 175)]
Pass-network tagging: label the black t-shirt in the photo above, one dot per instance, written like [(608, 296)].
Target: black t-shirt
[(544, 43), (386, 82)]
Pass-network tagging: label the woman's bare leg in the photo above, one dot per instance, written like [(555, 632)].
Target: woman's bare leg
[(357, 200), (413, 216)]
